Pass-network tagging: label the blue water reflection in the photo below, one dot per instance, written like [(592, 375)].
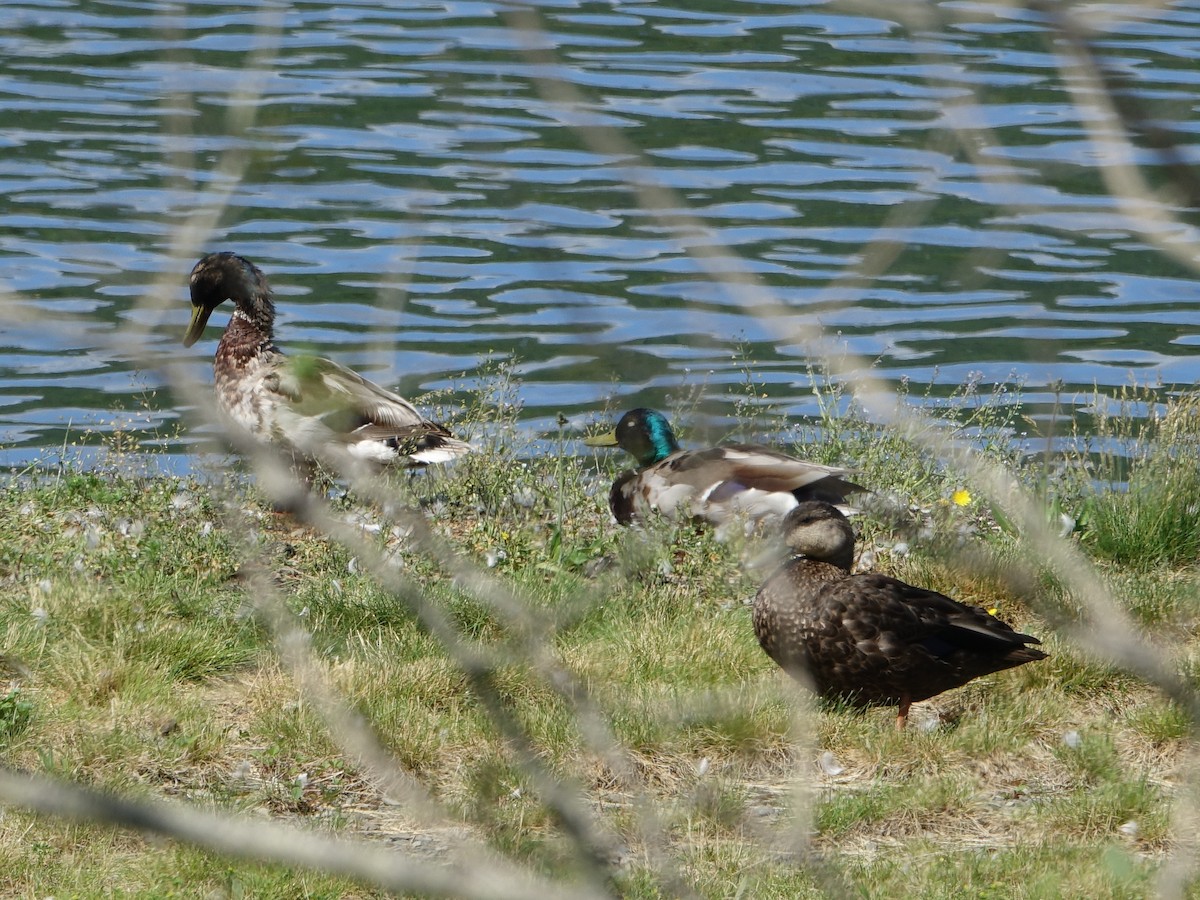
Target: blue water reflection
[(429, 186)]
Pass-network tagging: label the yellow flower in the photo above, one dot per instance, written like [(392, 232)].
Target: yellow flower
[(993, 611), (961, 497)]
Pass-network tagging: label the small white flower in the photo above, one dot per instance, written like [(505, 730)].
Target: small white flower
[(45, 586), (1129, 829), (39, 615), (1073, 739), (302, 780)]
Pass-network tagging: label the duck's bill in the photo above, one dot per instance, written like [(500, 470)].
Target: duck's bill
[(609, 439), (195, 328)]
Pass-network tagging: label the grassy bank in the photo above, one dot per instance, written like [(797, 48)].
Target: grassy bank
[(577, 697)]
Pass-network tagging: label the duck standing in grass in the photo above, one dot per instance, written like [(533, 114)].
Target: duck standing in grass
[(718, 484), (869, 639), (309, 405)]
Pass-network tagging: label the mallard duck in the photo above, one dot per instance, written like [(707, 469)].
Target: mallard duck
[(869, 639), (718, 484), (309, 405)]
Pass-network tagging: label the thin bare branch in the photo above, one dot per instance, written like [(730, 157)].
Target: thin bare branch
[(263, 841)]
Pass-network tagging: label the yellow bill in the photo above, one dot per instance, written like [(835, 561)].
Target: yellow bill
[(195, 328), (608, 439)]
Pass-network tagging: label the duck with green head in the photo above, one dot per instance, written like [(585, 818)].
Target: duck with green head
[(868, 639), (718, 485), (312, 406)]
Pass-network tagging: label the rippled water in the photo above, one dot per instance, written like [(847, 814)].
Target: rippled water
[(431, 184)]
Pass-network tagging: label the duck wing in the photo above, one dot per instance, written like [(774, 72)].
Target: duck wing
[(721, 483), (329, 404), (896, 640), (765, 469)]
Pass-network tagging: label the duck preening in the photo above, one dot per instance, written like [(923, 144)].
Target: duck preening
[(868, 639), (718, 484), (311, 406)]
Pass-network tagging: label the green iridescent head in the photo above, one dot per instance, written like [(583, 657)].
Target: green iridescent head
[(643, 433), (218, 277)]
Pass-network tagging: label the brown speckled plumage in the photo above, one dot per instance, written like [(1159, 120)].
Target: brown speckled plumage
[(312, 406), (717, 484), (869, 639)]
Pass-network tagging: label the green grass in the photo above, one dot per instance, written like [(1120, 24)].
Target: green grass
[(1140, 491), (135, 662)]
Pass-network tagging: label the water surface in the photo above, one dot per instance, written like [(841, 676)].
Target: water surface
[(430, 185)]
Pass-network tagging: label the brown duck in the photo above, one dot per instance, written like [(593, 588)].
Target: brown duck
[(309, 405), (717, 484), (869, 639)]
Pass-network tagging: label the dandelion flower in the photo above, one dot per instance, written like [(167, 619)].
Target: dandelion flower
[(961, 497)]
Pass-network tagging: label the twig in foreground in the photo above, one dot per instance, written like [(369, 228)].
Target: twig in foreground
[(270, 842)]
